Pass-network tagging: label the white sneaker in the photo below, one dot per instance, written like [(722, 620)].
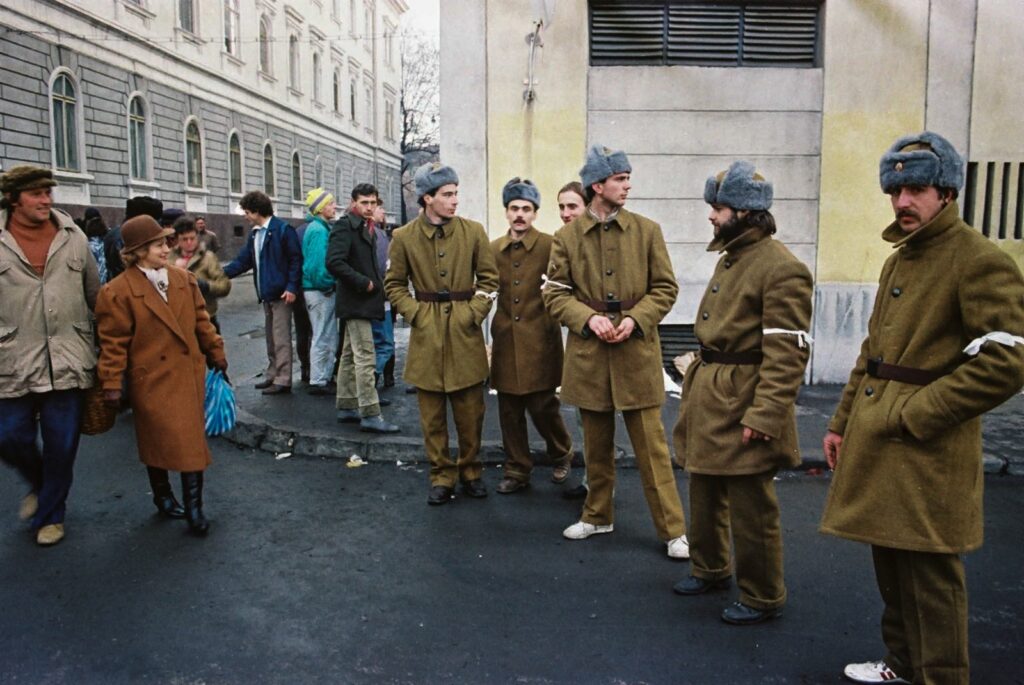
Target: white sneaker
[(679, 548), (872, 672), (581, 530)]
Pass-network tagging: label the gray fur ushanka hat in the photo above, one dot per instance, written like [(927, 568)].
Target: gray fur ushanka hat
[(739, 187), (432, 176), (520, 189), (602, 163), (925, 159)]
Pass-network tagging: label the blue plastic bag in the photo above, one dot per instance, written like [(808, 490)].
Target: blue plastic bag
[(220, 403)]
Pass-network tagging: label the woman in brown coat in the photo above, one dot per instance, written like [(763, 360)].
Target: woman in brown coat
[(154, 329)]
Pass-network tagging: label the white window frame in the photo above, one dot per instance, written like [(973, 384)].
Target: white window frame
[(78, 119), (318, 77), (194, 7), (265, 47), (232, 28), (296, 187), (241, 163), (147, 137), (270, 190), (189, 120), (294, 64)]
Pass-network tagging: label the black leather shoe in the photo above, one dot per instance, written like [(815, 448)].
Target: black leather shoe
[(318, 390), (163, 496), (263, 385), (578, 492), (439, 494), (410, 390), (278, 390), (474, 488), (739, 614), (509, 485), (383, 401), (692, 585)]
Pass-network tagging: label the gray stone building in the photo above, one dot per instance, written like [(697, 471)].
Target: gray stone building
[(197, 103)]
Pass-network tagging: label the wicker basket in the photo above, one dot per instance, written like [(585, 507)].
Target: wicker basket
[(97, 417)]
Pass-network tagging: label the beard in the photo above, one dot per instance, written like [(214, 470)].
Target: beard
[(731, 229)]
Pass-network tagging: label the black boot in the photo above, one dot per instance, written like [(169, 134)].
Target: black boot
[(389, 372), (163, 496), (192, 488)]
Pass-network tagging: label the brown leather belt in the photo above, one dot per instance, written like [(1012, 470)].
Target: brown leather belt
[(445, 296), (716, 357), (904, 374), (610, 305)]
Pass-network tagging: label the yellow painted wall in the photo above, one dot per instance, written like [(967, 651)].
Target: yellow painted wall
[(543, 141), (998, 103), (875, 70)]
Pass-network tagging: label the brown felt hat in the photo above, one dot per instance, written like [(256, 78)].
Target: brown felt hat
[(26, 177), (140, 230)]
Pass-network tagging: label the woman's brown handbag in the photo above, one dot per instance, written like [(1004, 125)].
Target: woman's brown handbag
[(97, 417)]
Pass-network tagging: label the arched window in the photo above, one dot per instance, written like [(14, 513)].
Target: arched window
[(268, 170), (231, 14), (187, 15), (235, 163), (337, 92), (138, 153), (64, 113), (316, 77), (337, 182), (318, 173), (293, 61), (193, 155), (296, 177), (265, 36)]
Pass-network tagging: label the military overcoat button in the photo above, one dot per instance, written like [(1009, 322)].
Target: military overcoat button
[(606, 227), (447, 309), (728, 264), (444, 273), (515, 300), (515, 263), (517, 245), (516, 318), (611, 296), (704, 316), (896, 292), (869, 391), (515, 282), (440, 254), (714, 288), (608, 272)]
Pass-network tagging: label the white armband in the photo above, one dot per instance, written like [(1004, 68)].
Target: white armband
[(545, 282), (803, 338), (490, 296), (1001, 337)]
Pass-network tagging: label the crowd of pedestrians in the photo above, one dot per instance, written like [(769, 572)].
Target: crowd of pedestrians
[(575, 321)]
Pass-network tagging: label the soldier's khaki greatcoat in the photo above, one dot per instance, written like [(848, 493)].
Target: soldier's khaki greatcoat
[(910, 473), (526, 343), (446, 347), (624, 258), (757, 285)]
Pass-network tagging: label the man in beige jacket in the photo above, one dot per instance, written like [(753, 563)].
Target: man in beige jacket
[(49, 282)]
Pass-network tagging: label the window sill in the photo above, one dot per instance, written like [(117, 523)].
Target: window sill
[(295, 91), (269, 78), (196, 191), (143, 184), (234, 59), (188, 36), (138, 10), (73, 176)]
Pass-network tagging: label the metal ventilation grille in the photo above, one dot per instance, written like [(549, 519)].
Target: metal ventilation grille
[(702, 33)]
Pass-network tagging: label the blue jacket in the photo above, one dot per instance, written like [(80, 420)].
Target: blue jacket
[(280, 263), (315, 275)]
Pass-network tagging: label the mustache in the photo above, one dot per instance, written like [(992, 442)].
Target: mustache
[(908, 213)]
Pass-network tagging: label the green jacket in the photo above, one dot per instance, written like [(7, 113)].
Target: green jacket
[(213, 282), (626, 258), (758, 286), (910, 474), (446, 346), (315, 275)]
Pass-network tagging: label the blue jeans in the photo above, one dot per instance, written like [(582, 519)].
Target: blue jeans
[(383, 341), (56, 417)]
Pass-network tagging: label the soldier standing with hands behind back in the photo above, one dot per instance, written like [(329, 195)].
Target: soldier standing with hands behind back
[(526, 356), (945, 344), (611, 282)]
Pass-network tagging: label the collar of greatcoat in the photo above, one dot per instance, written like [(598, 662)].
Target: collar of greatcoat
[(932, 233), (622, 219), (528, 240), (430, 229), (177, 281), (738, 244)]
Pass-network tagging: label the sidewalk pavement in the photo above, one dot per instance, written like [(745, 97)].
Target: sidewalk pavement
[(301, 424)]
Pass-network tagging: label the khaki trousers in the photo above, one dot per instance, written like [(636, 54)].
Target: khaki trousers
[(647, 435), (356, 386), (468, 413), (277, 317), (924, 623), (545, 413), (748, 506)]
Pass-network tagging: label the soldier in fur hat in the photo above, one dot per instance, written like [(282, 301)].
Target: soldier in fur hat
[(945, 344)]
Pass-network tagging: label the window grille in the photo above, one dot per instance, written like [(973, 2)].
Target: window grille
[(235, 163), (993, 199), (748, 34), (65, 123)]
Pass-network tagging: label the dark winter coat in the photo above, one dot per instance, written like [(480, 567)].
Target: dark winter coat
[(352, 260)]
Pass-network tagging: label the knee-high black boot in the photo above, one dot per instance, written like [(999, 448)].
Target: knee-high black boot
[(163, 496), (192, 487)]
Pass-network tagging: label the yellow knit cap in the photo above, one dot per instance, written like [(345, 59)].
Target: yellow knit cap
[(317, 199)]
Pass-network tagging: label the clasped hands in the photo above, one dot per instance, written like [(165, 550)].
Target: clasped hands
[(607, 331)]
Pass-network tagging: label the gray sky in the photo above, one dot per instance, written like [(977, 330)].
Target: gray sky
[(422, 17)]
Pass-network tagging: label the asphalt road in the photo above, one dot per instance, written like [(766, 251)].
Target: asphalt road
[(318, 573)]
